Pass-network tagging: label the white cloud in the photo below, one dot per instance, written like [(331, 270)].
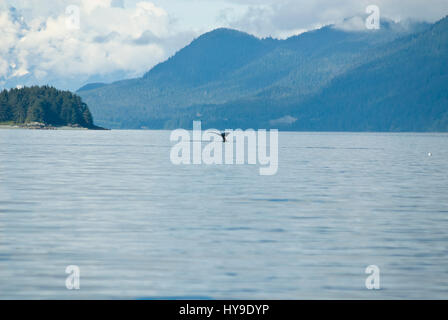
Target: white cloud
[(282, 18), (90, 5), (356, 23), (110, 39)]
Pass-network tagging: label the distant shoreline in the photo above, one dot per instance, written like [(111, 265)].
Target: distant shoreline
[(20, 126)]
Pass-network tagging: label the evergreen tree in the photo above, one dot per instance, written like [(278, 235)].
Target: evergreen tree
[(35, 112)]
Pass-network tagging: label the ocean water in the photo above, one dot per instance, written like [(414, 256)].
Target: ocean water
[(139, 227)]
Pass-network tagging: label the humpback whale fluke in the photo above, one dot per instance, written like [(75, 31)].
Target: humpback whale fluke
[(223, 135)]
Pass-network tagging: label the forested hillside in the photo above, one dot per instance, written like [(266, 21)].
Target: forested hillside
[(45, 105), (392, 79), (403, 86)]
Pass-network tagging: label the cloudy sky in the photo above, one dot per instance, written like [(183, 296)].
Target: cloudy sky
[(67, 43)]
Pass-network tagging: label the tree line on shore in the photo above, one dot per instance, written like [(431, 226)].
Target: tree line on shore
[(46, 105)]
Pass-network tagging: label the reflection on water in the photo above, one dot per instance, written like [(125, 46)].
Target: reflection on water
[(140, 227)]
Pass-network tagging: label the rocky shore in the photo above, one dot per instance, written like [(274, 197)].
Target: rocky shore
[(43, 126)]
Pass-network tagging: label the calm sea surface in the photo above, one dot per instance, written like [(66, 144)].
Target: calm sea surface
[(139, 227)]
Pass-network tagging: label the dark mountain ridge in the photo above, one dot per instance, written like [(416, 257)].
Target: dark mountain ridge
[(210, 57), (319, 80)]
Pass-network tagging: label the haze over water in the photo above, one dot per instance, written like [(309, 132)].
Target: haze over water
[(139, 227)]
